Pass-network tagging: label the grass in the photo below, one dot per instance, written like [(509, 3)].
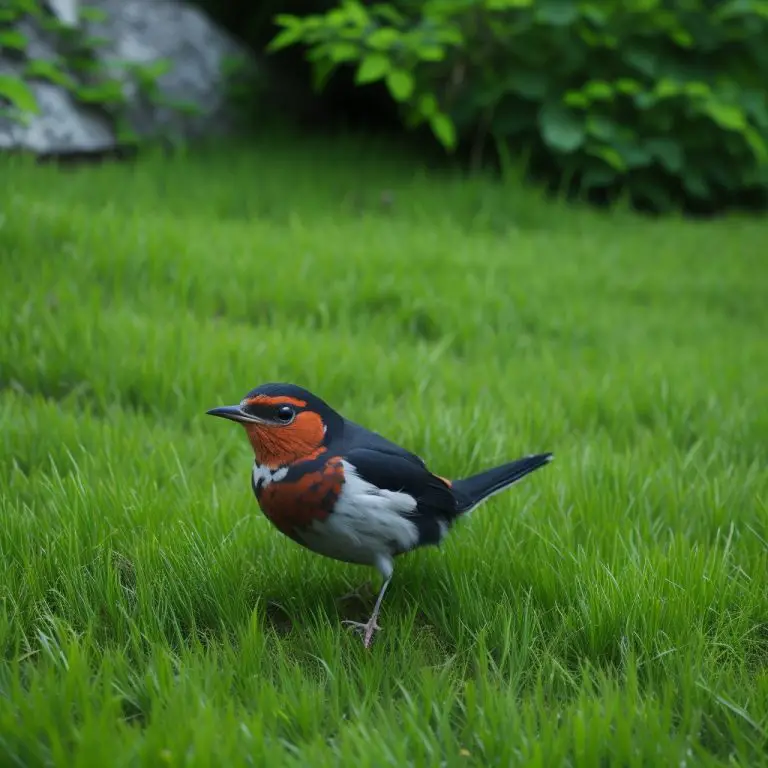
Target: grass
[(610, 609)]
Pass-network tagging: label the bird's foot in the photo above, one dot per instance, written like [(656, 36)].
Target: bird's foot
[(366, 630)]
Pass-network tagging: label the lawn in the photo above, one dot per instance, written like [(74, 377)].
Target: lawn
[(612, 608)]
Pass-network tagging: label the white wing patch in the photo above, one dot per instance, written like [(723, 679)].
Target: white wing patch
[(369, 525)]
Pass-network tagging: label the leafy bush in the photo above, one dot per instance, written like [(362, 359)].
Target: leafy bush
[(667, 100), (253, 23)]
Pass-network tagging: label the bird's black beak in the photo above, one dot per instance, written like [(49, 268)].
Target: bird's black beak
[(231, 412)]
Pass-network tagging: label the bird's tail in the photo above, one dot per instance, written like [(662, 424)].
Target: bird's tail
[(474, 490)]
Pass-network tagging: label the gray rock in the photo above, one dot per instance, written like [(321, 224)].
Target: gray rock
[(143, 31), (65, 11), (136, 32), (61, 126)]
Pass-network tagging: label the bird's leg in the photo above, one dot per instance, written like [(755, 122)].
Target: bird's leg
[(367, 629)]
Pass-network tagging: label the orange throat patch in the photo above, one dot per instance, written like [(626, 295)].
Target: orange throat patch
[(277, 446)]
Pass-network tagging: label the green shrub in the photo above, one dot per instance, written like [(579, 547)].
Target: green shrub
[(253, 23), (667, 100)]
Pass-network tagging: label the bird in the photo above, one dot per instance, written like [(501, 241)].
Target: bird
[(348, 493)]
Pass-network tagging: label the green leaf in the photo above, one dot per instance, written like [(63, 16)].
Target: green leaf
[(355, 12), (13, 39), (645, 100), (32, 7), (576, 99), (559, 13), (288, 20), (449, 35), (50, 71), (633, 154), (314, 24), (683, 38), (667, 88), (561, 128), (427, 105), (698, 89), (412, 118), (757, 143), (108, 92), (642, 60), (389, 14), (444, 130), (743, 8), (594, 12), (667, 152), (598, 90), (337, 18), (505, 5), (726, 115), (431, 53), (628, 86), (609, 154), (602, 128), (756, 105), (373, 67), (292, 34), (15, 91), (83, 64), (383, 38), (321, 73), (401, 84), (154, 69), (343, 51)]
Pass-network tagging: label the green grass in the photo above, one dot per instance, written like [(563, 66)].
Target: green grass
[(611, 608)]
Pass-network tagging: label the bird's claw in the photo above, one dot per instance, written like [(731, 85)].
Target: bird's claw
[(366, 629)]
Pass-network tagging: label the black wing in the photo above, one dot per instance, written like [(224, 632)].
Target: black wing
[(397, 470), (356, 436)]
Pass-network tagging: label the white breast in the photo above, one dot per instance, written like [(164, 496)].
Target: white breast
[(368, 525)]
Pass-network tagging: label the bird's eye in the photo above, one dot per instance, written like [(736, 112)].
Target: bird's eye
[(285, 414)]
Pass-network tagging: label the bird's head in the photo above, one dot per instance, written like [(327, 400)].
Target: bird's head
[(284, 423)]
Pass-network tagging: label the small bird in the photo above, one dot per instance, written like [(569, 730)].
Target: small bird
[(348, 493)]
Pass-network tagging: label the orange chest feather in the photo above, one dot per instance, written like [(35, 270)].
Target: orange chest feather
[(276, 446), (297, 502)]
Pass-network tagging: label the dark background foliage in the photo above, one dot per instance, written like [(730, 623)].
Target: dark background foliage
[(665, 102), (291, 74)]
